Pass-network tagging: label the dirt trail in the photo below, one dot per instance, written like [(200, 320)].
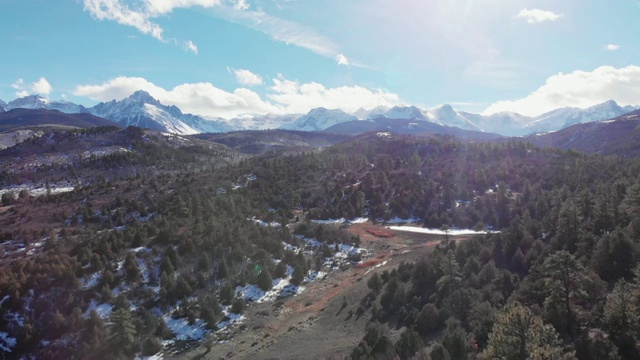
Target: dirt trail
[(320, 322)]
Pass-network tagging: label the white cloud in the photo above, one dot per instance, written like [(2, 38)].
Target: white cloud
[(535, 16), (18, 84), (205, 99), (577, 89), (189, 45), (114, 10), (280, 30), (40, 87), (612, 47), (141, 14), (300, 98), (342, 60), (240, 4), (156, 8), (246, 78)]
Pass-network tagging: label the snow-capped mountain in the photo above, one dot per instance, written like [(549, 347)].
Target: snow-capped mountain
[(364, 114), (565, 117), (503, 123), (141, 109), (319, 119), (39, 102), (446, 115), (263, 122), (406, 112)]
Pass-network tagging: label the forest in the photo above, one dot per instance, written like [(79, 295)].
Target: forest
[(171, 229)]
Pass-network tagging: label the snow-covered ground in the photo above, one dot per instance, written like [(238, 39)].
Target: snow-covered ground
[(104, 310), (358, 220), (183, 330), (397, 220), (38, 190), (6, 342), (452, 232)]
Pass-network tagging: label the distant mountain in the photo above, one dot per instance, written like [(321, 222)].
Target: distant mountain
[(619, 136), (25, 118), (446, 115), (319, 119), (277, 141), (503, 123), (141, 109), (364, 114), (263, 122), (405, 126), (39, 102), (564, 117), (406, 113)]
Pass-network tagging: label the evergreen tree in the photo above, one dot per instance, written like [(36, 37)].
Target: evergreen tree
[(519, 334), (265, 282), (122, 332)]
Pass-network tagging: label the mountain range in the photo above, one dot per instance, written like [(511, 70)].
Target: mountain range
[(618, 136), (141, 109)]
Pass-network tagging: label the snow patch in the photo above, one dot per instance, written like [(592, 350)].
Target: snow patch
[(452, 232), (7, 342), (183, 330)]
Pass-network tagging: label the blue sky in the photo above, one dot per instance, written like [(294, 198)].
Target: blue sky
[(236, 57)]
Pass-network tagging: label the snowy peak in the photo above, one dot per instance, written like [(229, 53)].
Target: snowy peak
[(141, 109), (447, 115), (3, 106), (39, 102), (29, 102), (319, 119), (503, 123), (364, 114), (142, 96), (565, 117), (405, 112)]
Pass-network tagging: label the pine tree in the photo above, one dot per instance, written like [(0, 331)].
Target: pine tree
[(265, 282), (518, 334), (122, 332)]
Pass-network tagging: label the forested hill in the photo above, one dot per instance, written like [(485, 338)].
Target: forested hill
[(619, 136), (174, 232)]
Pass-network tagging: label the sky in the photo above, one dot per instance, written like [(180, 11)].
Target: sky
[(234, 58)]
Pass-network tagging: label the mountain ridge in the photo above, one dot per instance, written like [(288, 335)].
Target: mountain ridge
[(141, 109)]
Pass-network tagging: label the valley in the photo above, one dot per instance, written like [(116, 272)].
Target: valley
[(281, 244)]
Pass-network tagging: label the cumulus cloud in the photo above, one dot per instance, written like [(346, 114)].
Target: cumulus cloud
[(577, 89), (612, 47), (245, 77), (40, 87), (205, 99), (300, 98), (535, 16)]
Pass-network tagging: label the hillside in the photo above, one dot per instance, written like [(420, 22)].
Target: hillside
[(141, 243), (406, 127), (274, 141), (28, 118), (619, 136)]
